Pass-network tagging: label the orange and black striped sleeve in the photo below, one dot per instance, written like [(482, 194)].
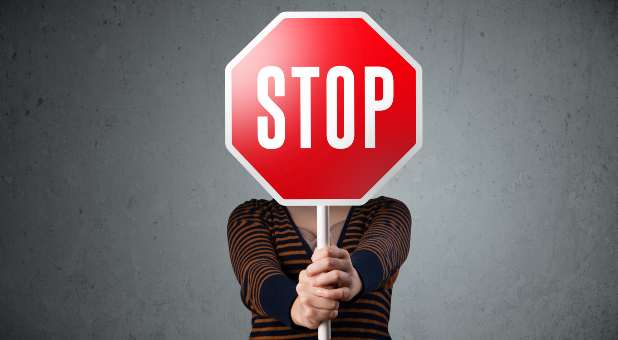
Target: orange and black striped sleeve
[(265, 289), (384, 246)]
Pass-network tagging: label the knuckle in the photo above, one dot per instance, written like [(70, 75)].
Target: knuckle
[(304, 299)]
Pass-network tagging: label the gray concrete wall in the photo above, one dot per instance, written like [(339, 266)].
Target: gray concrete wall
[(115, 184)]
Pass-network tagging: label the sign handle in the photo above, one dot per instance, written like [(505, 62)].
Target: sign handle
[(323, 241)]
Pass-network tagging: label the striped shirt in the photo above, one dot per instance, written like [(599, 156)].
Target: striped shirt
[(268, 252)]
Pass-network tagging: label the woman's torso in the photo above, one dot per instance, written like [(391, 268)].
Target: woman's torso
[(364, 318)]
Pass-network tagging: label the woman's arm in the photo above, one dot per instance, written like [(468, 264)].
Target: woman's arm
[(384, 246), (265, 289)]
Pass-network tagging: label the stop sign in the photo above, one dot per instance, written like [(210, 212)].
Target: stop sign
[(322, 108)]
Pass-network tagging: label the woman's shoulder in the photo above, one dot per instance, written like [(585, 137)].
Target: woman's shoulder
[(255, 203), (382, 202), (256, 207)]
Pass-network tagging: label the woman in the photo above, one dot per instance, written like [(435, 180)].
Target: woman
[(290, 289)]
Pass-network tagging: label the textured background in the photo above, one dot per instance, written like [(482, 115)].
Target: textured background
[(115, 184)]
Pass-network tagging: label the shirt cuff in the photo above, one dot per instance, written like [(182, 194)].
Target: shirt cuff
[(277, 295), (369, 268)]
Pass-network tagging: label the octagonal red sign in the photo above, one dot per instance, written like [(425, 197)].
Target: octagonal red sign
[(322, 108)]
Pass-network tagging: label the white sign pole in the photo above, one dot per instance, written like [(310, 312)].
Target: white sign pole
[(323, 241)]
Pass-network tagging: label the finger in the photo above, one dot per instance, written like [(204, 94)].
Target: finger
[(305, 280), (341, 294), (302, 276), (308, 297), (313, 317), (330, 251), (336, 278), (325, 265), (319, 302), (325, 314), (316, 316), (311, 324), (304, 288)]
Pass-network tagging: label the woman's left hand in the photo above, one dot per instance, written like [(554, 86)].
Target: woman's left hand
[(332, 268)]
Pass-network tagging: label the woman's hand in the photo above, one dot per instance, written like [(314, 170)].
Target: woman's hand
[(329, 279), (312, 306), (332, 269)]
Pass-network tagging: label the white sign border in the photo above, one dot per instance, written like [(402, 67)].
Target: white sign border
[(389, 174)]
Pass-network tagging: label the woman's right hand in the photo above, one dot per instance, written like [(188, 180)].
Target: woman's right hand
[(310, 309)]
